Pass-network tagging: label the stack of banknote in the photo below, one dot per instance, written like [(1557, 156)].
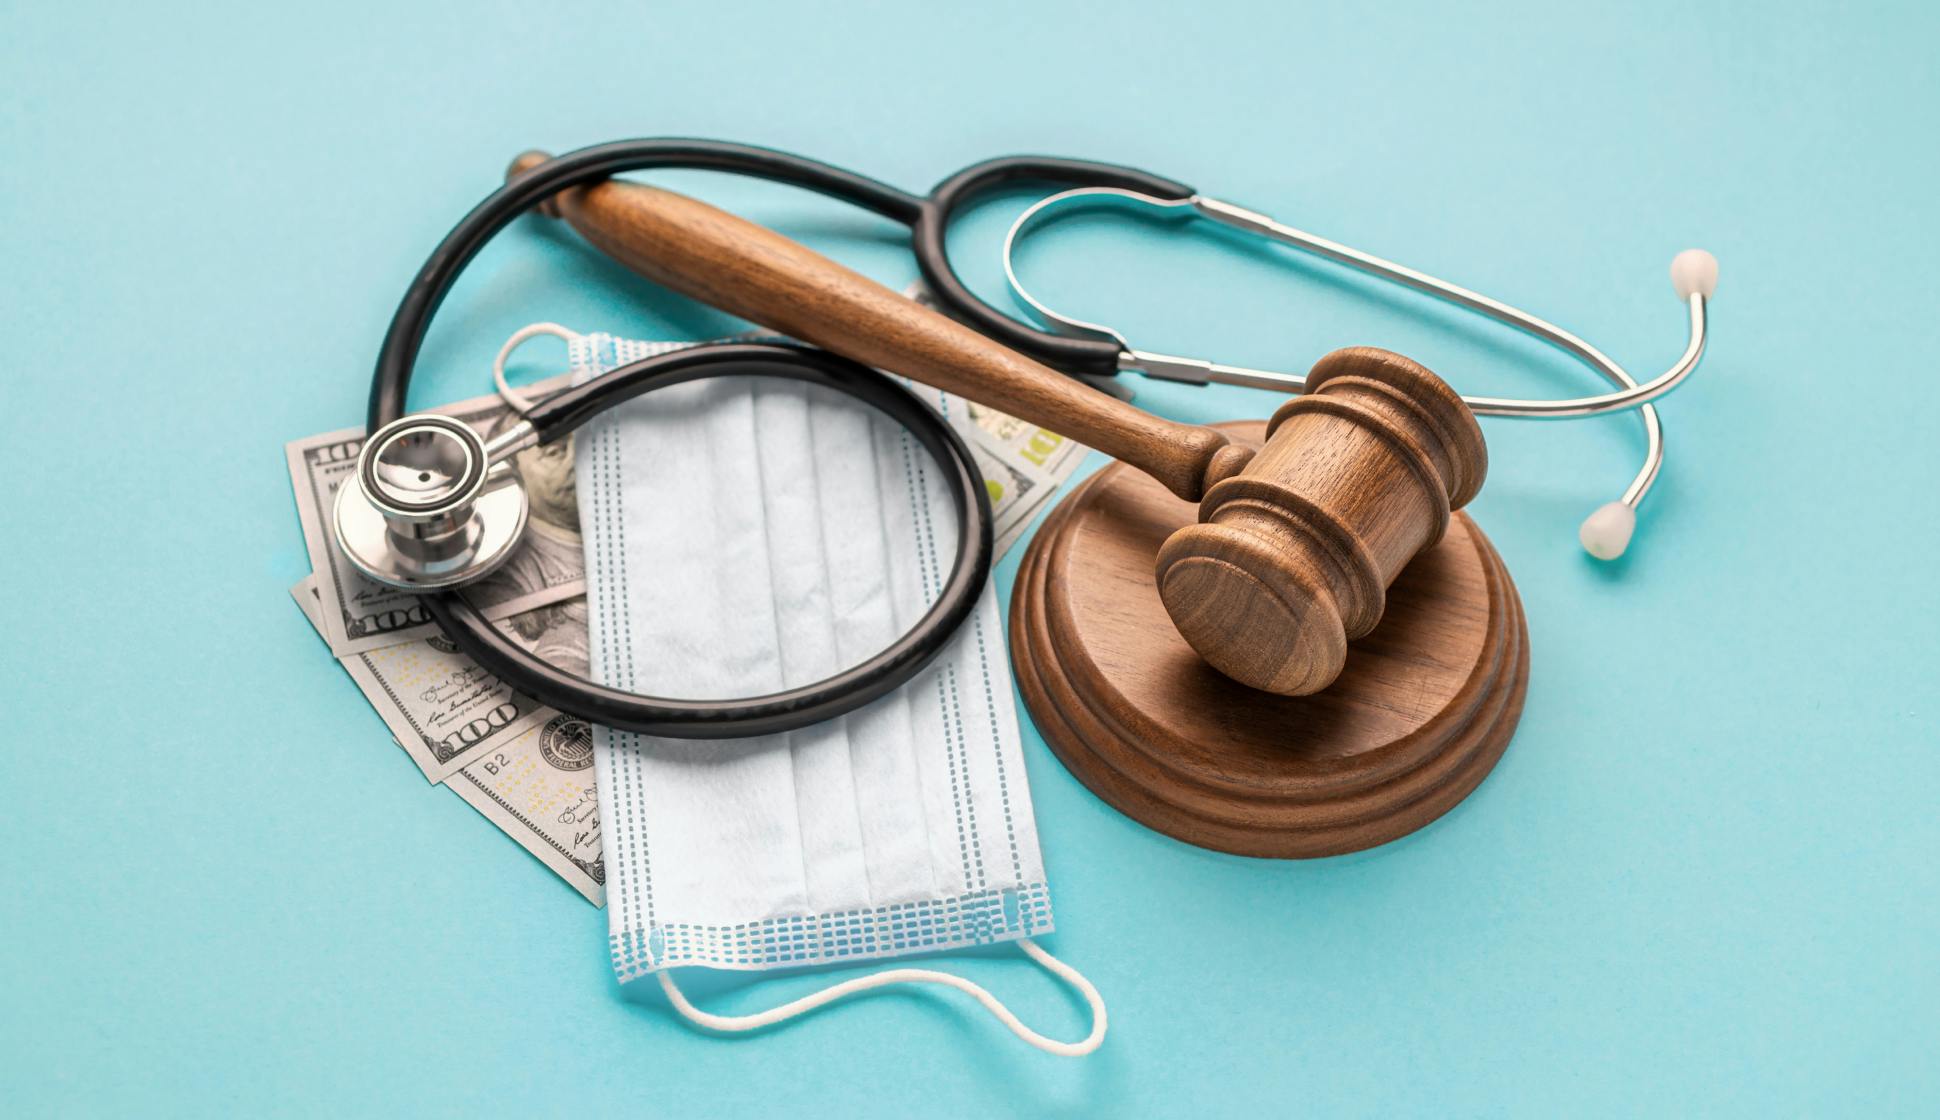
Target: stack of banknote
[(526, 767)]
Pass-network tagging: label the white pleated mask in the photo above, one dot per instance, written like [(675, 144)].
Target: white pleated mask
[(745, 535)]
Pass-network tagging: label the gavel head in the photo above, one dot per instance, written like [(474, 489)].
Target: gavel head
[(1292, 557)]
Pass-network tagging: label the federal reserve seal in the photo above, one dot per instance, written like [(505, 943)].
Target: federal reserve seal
[(567, 743)]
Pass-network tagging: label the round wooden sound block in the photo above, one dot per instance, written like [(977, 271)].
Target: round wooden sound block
[(1415, 721)]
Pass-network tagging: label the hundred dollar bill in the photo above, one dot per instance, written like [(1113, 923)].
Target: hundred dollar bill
[(360, 614), (443, 708), (538, 789), (1016, 494), (1023, 443), (1023, 466), (535, 784)]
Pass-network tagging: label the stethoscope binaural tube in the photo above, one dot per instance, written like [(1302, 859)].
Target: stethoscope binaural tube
[(1077, 354), (1605, 534)]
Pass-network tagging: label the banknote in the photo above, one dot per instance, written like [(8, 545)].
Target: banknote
[(538, 789), (1023, 465), (443, 708), (1016, 493), (1024, 443), (534, 782), (360, 614)]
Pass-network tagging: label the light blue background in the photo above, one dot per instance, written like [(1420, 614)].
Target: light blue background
[(1703, 879)]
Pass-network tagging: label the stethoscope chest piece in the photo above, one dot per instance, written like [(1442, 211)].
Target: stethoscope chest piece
[(427, 509)]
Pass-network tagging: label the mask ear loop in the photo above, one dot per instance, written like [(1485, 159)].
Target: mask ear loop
[(834, 992), (517, 401)]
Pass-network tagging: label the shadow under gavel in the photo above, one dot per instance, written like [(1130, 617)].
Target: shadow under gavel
[(1295, 546)]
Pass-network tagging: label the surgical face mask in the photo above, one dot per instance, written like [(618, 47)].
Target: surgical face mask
[(742, 536)]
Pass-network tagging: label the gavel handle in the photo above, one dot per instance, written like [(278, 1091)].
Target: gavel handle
[(759, 275)]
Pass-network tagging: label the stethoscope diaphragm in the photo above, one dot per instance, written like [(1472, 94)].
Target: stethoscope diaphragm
[(428, 507)]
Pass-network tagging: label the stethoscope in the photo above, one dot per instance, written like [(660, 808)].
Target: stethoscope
[(1605, 534), (433, 505)]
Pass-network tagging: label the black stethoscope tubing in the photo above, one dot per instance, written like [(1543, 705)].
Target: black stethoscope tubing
[(557, 415), (791, 708), (928, 219)]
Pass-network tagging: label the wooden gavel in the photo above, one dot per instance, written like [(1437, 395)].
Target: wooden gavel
[(1295, 545)]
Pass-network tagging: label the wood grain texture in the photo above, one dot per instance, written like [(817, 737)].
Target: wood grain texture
[(1426, 704), (1298, 543), (1292, 556), (730, 263)]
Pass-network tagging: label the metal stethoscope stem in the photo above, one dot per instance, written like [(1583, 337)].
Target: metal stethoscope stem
[(1694, 274)]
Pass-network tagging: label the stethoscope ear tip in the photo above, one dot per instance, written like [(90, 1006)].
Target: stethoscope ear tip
[(1606, 533), (1694, 272)]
